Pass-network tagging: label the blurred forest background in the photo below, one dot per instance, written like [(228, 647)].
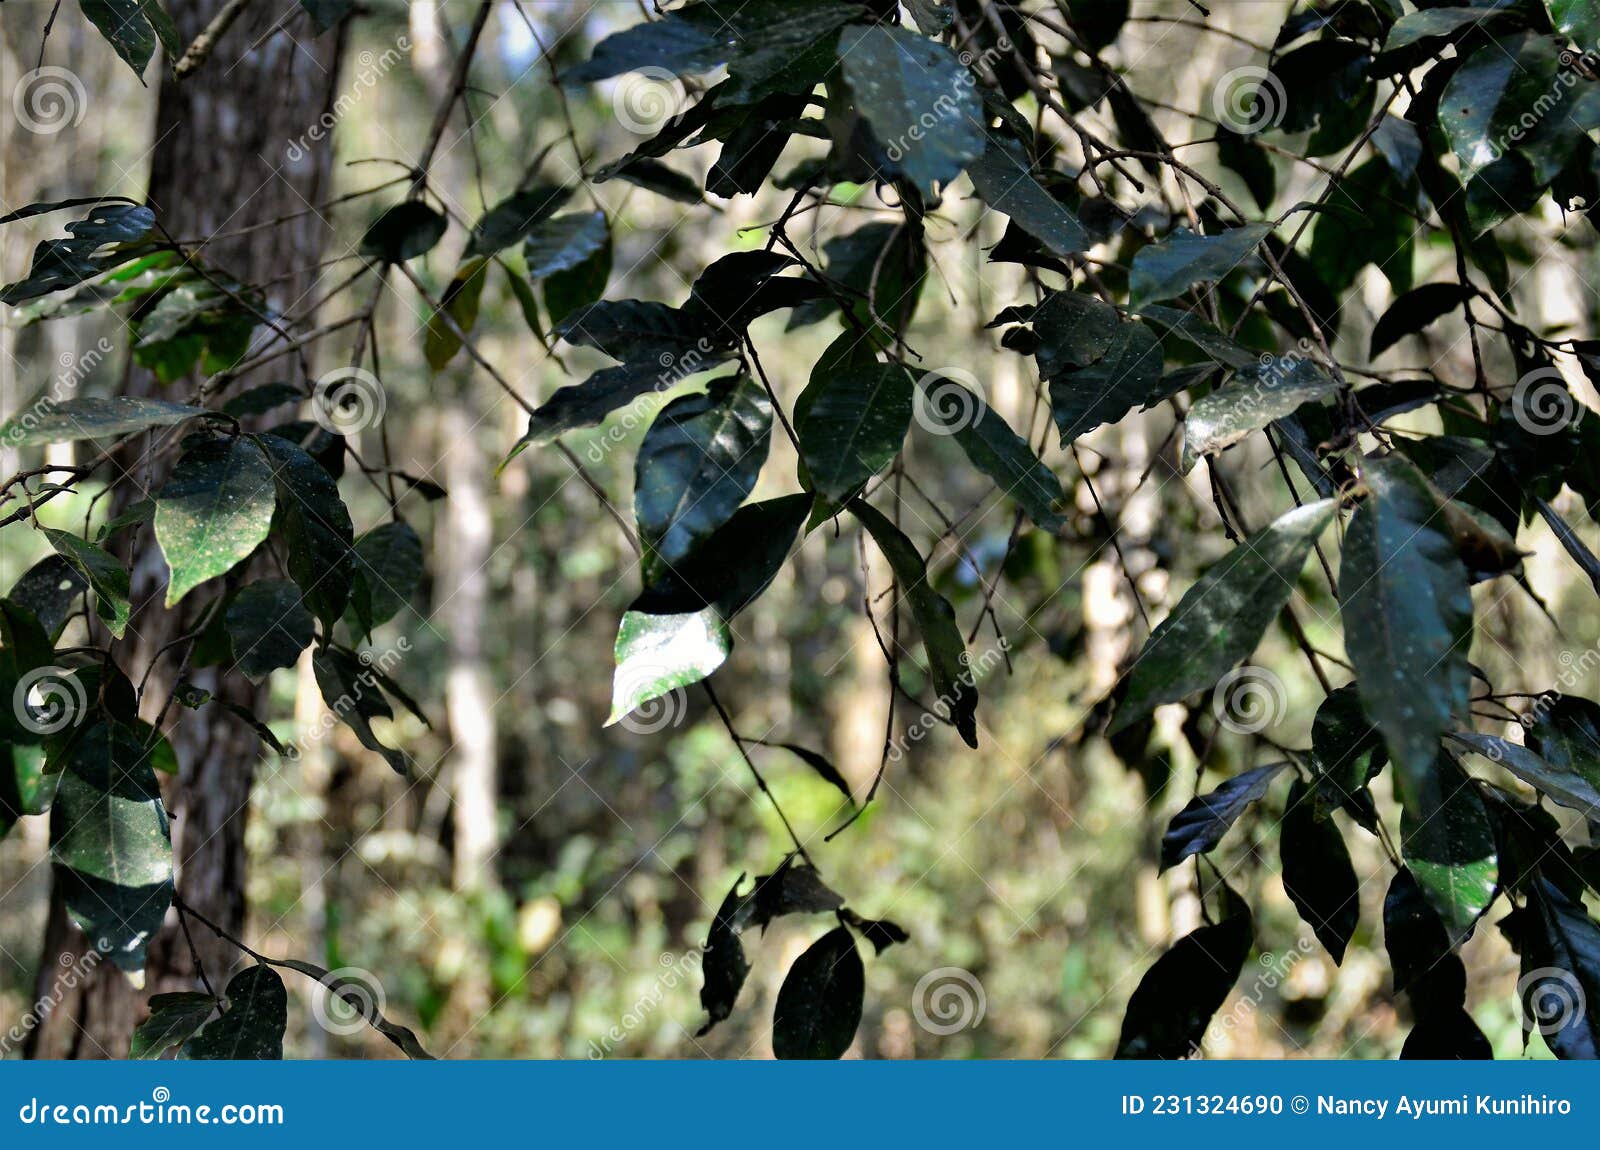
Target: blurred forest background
[(543, 886)]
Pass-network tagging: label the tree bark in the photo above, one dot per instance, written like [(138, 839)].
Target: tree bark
[(221, 162)]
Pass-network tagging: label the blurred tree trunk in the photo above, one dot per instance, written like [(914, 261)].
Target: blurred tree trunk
[(220, 164)]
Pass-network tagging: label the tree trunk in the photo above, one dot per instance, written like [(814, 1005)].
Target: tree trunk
[(221, 163)]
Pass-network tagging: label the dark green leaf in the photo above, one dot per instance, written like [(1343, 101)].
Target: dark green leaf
[(269, 626), (946, 408), (111, 844), (723, 966), (49, 590), (104, 573), (1407, 612), (1448, 843), (1201, 824), (106, 238), (561, 243), (1167, 270), (1414, 311), (173, 1020), (124, 24), (1222, 617), (409, 229), (388, 568), (252, 1024), (1317, 875), (696, 464), (1258, 393), (1074, 330), (352, 691), (456, 315), (1562, 784), (66, 420), (1174, 1001), (315, 527), (1003, 178), (819, 1004), (899, 79), (936, 619), (851, 424), (513, 218), (1127, 376)]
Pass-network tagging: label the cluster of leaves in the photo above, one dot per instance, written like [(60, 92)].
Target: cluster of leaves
[(1443, 123)]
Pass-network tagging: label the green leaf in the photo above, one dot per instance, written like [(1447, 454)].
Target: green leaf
[(1366, 222), (1221, 619), (353, 692), (724, 966), (67, 420), (269, 626), (588, 403), (1407, 612), (1565, 732), (1560, 983), (251, 1025), (124, 24), (388, 569), (1448, 843), (1167, 270), (1348, 751), (900, 80), (315, 527), (1269, 389), (111, 844), (1003, 177), (1126, 376), (513, 218), (1577, 20), (355, 993), (1247, 159), (993, 448), (851, 424), (1562, 784), (1075, 330), (659, 654), (1190, 328), (1201, 824), (634, 331), (1317, 875), (260, 400), (104, 573), (696, 464), (935, 618), (1507, 98), (173, 1020), (460, 303), (819, 1003), (326, 13), (880, 265), (407, 230), (562, 243), (215, 509)]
